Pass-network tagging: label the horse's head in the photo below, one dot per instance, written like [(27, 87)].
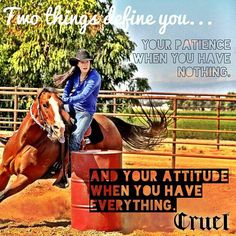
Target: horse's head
[(52, 114)]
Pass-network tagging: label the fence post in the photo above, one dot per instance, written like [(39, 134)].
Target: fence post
[(15, 108), (218, 104), (174, 133), (114, 105)]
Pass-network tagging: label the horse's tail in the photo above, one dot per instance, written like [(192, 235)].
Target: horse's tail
[(147, 136)]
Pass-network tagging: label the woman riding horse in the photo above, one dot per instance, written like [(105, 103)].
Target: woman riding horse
[(86, 83), (37, 144)]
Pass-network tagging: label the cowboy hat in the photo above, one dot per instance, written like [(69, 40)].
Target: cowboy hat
[(82, 55)]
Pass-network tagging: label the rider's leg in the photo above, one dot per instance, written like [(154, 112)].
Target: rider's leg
[(83, 121)]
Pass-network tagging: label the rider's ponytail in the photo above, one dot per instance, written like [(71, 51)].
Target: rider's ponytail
[(61, 79)]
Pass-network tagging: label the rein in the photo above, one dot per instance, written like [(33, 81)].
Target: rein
[(35, 120)]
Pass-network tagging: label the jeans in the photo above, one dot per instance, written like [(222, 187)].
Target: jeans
[(83, 120)]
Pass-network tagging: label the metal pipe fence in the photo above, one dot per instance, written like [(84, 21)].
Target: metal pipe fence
[(15, 101)]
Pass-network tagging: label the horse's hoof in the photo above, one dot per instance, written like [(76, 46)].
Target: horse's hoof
[(61, 185), (62, 182)]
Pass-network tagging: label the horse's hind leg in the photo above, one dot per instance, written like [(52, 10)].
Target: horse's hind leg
[(17, 185), (4, 177)]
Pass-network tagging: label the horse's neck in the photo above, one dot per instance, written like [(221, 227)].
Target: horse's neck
[(29, 132)]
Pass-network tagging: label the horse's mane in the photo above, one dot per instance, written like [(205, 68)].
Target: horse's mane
[(50, 90), (47, 90)]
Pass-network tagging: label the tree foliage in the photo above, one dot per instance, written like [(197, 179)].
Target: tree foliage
[(139, 84), (32, 54)]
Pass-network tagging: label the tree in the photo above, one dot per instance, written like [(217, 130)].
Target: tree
[(139, 84), (32, 54)]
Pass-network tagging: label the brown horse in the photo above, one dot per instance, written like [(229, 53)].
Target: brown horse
[(36, 146)]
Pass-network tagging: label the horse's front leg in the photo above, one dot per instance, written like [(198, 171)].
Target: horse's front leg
[(62, 179), (25, 167), (4, 177), (20, 183)]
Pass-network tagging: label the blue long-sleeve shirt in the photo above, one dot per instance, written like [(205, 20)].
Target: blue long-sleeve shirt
[(84, 97)]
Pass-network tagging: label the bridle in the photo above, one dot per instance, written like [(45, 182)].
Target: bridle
[(45, 125)]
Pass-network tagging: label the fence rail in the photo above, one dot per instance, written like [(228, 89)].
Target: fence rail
[(11, 115)]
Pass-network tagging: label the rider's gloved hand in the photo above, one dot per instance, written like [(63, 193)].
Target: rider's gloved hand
[(66, 107)]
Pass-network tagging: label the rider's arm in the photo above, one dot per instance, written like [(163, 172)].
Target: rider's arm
[(93, 82)]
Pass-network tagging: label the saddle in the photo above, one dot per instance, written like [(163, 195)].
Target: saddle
[(93, 135)]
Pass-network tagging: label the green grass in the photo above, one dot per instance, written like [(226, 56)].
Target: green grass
[(206, 125)]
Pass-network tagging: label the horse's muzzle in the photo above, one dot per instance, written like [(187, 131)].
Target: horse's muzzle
[(57, 133), (62, 139)]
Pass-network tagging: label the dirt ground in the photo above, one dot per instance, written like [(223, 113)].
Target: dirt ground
[(42, 209)]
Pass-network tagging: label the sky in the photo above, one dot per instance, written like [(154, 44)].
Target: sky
[(211, 20)]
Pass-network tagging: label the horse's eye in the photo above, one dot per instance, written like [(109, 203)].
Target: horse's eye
[(46, 105)]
